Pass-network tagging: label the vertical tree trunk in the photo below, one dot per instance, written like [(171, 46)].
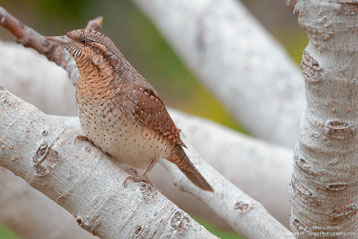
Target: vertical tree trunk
[(323, 189)]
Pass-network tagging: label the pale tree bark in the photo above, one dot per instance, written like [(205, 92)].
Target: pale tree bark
[(249, 209), (90, 185), (234, 57), (83, 180), (31, 215), (236, 207), (39, 82), (260, 169), (323, 189), (229, 203), (30, 200)]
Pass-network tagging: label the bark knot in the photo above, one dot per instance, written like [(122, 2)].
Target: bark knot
[(339, 130), (140, 233), (45, 159), (311, 70), (348, 7), (79, 221), (180, 222), (138, 229), (337, 186), (148, 192), (298, 225), (340, 213), (303, 192), (242, 207), (305, 168)]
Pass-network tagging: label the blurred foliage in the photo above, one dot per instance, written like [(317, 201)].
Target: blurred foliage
[(6, 234), (144, 47), (294, 41), (219, 233)]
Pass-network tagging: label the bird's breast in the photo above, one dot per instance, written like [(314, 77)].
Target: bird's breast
[(114, 130)]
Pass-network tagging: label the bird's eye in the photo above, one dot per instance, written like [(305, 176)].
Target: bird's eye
[(84, 41)]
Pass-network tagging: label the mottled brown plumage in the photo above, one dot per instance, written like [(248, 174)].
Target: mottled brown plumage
[(119, 111)]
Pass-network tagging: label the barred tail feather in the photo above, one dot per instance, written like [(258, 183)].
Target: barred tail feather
[(179, 158)]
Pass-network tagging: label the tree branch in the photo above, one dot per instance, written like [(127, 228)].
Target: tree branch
[(72, 174), (281, 212), (245, 215), (226, 196), (47, 157), (83, 180), (32, 215), (260, 169), (222, 42)]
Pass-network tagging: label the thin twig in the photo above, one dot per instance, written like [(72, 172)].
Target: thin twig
[(28, 37), (95, 24)]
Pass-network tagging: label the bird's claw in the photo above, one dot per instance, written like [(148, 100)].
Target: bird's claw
[(134, 178), (82, 137)]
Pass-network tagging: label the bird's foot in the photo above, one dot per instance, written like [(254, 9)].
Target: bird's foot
[(85, 138), (131, 171), (136, 178)]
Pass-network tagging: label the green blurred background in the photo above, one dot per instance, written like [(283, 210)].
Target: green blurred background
[(146, 49)]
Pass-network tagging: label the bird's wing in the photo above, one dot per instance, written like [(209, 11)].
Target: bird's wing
[(151, 112)]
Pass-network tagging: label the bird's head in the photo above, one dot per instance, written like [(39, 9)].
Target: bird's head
[(88, 45)]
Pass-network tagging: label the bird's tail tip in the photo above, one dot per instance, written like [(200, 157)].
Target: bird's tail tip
[(180, 158), (198, 180)]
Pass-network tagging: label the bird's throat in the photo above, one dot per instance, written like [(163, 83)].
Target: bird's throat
[(95, 80)]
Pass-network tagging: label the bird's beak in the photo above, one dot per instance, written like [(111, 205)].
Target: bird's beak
[(62, 40)]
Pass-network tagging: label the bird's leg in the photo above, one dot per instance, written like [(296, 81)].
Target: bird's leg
[(82, 137), (131, 171), (144, 177)]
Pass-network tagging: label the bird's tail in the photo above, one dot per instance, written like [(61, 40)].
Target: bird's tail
[(179, 158)]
